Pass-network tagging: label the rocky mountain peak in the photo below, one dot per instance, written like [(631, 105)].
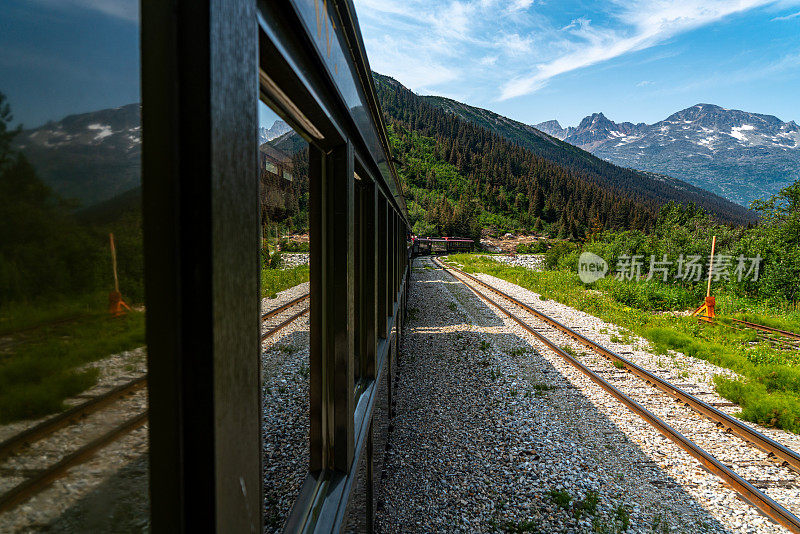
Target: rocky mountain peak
[(737, 154)]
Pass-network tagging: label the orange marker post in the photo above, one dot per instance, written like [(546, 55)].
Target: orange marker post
[(706, 311), (115, 302)]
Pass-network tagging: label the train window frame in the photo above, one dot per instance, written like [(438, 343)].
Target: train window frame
[(204, 69), (340, 414)]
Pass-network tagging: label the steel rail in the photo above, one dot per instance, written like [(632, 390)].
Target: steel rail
[(777, 342), (765, 443), (769, 329), (746, 490), (53, 424), (283, 307), (284, 324), (48, 426), (36, 484), (43, 479)]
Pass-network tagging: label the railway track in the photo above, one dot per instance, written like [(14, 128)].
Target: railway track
[(781, 339), (275, 320), (37, 479), (636, 400), (768, 329)]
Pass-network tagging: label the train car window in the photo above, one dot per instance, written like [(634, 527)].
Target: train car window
[(285, 251), (73, 402), (358, 288)]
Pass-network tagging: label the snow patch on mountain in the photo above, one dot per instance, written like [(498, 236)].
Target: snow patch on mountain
[(737, 154), (104, 130)]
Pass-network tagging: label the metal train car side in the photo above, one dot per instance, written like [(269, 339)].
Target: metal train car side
[(425, 246), (204, 73)]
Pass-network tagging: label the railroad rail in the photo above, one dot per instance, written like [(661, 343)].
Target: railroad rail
[(45, 477), (744, 488), (780, 342), (768, 329), (780, 338), (273, 315)]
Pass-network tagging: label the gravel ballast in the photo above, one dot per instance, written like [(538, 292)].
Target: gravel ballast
[(285, 415), (495, 432)]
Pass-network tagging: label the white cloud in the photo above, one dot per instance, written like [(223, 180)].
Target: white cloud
[(641, 24), (757, 71), (390, 56), (514, 43), (520, 45), (127, 10), (788, 17), (520, 5), (645, 83)]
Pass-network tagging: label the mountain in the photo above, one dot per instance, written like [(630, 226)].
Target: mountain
[(554, 129), (91, 157), (647, 186), (736, 154), (459, 176), (277, 129), (94, 157)]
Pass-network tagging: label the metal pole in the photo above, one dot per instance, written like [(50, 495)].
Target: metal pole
[(114, 261), (711, 265)]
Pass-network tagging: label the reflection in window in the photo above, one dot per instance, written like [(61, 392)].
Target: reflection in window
[(285, 249), (71, 268)]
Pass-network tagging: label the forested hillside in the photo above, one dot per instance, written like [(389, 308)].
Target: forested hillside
[(460, 177), (646, 185), (402, 105)]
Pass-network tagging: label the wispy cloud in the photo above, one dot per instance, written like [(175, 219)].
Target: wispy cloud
[(637, 25), (788, 17), (426, 44), (127, 10), (516, 47), (757, 70), (645, 83)]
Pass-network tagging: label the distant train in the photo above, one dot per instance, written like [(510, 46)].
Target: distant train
[(422, 246)]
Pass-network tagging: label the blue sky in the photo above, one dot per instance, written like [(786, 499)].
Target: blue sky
[(533, 60), (634, 60), (59, 57)]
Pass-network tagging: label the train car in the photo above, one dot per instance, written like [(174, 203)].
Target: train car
[(425, 246), (246, 119), (459, 244)]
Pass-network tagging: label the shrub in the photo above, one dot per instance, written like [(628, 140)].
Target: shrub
[(276, 261), (769, 409), (553, 257), (536, 247), (649, 294), (293, 246)]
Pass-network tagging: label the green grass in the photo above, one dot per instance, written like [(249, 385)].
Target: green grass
[(275, 280), (38, 367), (770, 391), (560, 498), (587, 505), (22, 315)]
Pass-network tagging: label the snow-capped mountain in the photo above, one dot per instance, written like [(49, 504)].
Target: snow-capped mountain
[(95, 156), (739, 155), (277, 129), (90, 157)]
